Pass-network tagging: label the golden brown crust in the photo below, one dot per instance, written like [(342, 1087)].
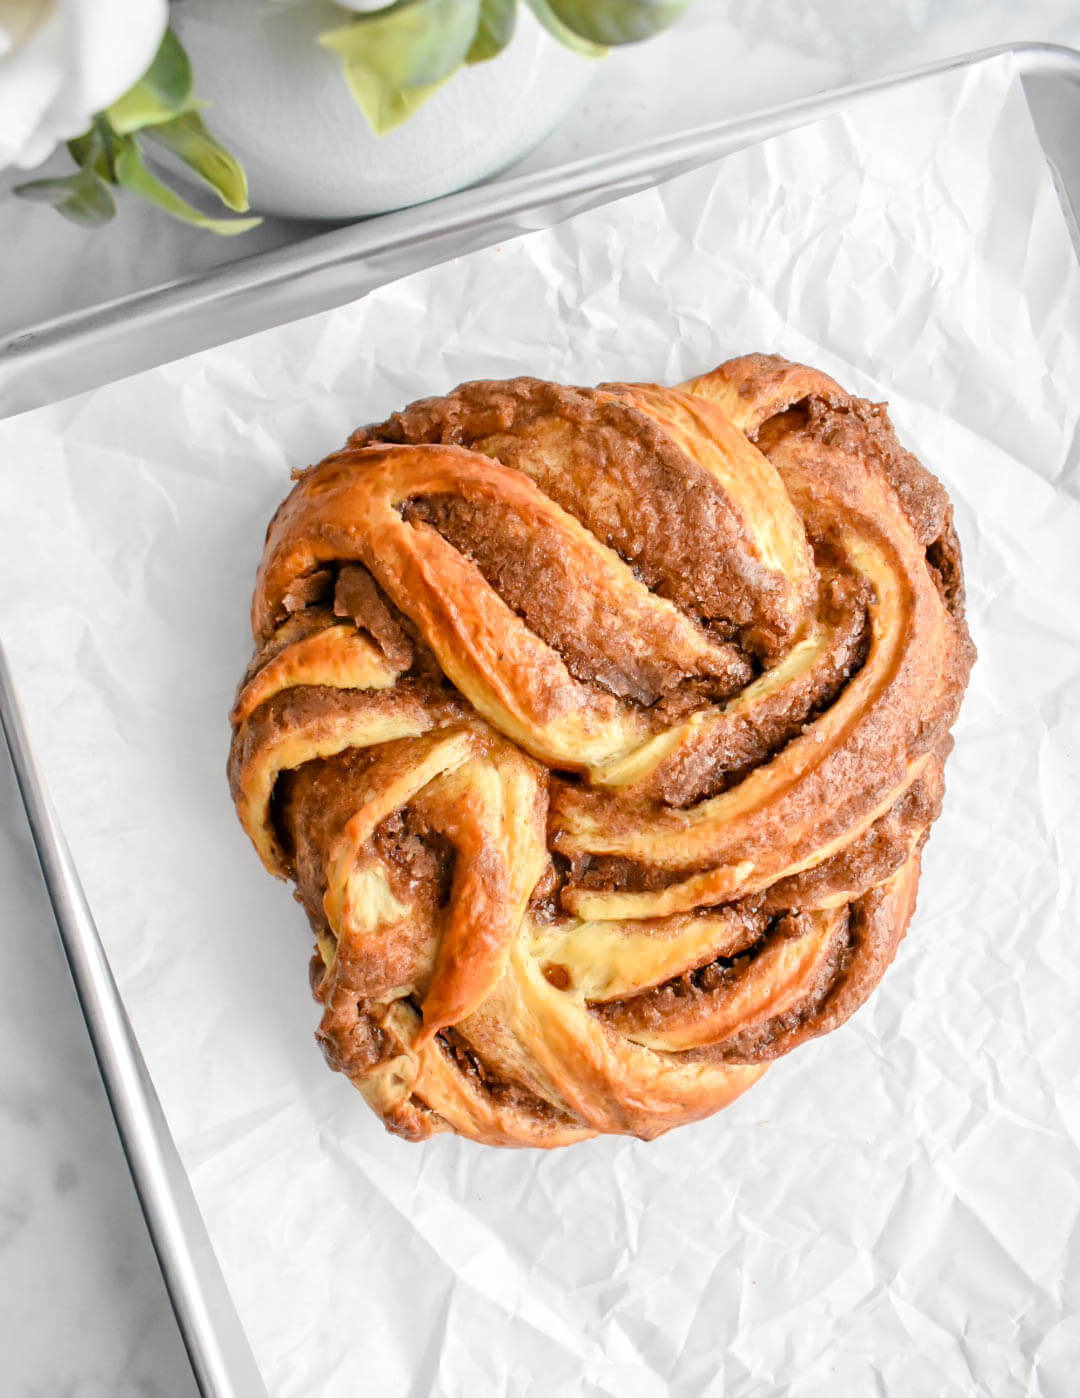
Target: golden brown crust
[(601, 731)]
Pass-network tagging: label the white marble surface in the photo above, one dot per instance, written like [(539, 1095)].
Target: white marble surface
[(83, 1312)]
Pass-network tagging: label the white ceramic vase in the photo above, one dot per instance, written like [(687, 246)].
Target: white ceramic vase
[(279, 101)]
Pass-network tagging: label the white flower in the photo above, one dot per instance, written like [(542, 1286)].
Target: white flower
[(63, 60)]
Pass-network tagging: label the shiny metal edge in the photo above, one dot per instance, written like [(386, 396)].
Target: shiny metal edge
[(221, 1359), (88, 348), (329, 269)]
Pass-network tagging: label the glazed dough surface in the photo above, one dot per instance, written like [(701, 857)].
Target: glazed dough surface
[(600, 731)]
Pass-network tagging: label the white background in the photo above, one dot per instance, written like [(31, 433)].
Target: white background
[(83, 1312)]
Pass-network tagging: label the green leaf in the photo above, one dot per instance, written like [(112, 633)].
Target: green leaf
[(83, 198), (618, 21), (385, 106), (569, 38), (133, 175), (163, 91), (494, 30), (93, 150), (187, 137), (411, 44)]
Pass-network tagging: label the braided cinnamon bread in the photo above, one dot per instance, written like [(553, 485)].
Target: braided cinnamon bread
[(601, 731)]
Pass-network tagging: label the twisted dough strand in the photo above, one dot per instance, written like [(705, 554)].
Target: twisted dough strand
[(601, 731)]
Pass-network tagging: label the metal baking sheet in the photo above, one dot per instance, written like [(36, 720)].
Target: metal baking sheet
[(81, 351), (94, 347), (221, 1359)]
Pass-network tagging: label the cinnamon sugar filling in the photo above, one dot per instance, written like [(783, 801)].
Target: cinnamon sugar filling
[(638, 736), (526, 565), (611, 467), (483, 1078)]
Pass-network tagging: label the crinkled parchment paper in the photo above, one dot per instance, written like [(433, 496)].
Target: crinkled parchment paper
[(894, 1209)]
